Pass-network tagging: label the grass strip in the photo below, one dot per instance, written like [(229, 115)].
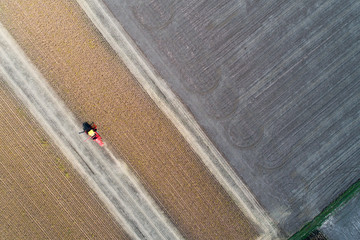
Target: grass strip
[(319, 219)]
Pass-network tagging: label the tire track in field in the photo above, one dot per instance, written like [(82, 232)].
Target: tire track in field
[(22, 157), (38, 166), (33, 168)]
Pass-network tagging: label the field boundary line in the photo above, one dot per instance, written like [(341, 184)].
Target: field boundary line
[(173, 108), (109, 177), (321, 218)]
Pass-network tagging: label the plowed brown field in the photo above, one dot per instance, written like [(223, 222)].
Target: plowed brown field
[(41, 195), (96, 85)]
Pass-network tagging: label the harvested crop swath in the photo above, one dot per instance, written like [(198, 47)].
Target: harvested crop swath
[(41, 195)]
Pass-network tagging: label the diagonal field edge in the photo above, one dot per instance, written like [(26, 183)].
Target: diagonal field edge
[(167, 101), (109, 177), (319, 219)]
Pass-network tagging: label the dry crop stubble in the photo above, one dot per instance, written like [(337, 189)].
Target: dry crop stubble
[(97, 86), (41, 195)]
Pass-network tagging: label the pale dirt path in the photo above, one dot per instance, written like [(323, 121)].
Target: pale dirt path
[(41, 195), (96, 85)]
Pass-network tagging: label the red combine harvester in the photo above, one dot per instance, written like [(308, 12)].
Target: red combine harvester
[(91, 130)]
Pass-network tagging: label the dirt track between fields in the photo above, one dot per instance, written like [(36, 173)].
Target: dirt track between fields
[(41, 195), (96, 86)]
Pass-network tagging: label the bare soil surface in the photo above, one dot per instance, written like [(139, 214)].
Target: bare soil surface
[(96, 85), (41, 195), (273, 84), (344, 222)]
